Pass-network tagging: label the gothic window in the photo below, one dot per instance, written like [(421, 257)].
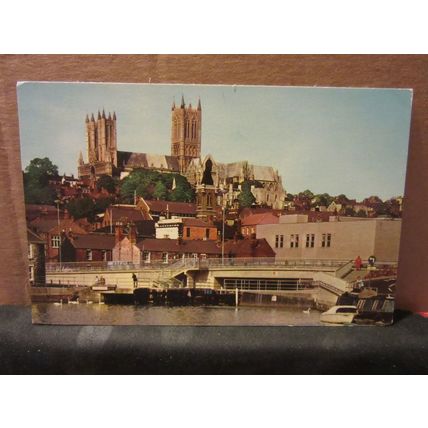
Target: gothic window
[(187, 133), (193, 129)]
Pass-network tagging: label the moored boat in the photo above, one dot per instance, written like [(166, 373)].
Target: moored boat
[(344, 314)]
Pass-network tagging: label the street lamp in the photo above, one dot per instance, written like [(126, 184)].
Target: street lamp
[(222, 236), (59, 232)]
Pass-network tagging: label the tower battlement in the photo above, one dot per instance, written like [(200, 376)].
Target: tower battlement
[(101, 141), (186, 126)]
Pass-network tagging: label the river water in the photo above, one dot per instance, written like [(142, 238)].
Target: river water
[(84, 314)]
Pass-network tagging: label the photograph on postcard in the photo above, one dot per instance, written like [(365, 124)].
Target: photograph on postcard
[(170, 204)]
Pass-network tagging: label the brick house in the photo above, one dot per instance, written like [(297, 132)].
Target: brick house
[(50, 232), (123, 214), (92, 247), (166, 209), (186, 228), (129, 249)]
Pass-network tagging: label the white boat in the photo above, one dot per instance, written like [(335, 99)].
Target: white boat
[(339, 315)]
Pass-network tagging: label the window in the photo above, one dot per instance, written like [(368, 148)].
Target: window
[(89, 255), (165, 257), (146, 256), (55, 241), (294, 241), (104, 255), (30, 251), (207, 233), (187, 232), (279, 241), (326, 240), (310, 240), (31, 272)]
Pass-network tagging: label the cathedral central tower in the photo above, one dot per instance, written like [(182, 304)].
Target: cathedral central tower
[(185, 133)]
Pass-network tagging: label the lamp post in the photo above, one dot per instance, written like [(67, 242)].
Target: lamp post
[(59, 232), (222, 236)]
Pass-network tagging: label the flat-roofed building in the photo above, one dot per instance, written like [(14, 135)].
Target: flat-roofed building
[(341, 238)]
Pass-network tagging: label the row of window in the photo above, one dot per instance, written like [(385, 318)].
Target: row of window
[(166, 256), (294, 240)]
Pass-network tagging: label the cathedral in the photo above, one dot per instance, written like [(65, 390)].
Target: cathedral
[(185, 158)]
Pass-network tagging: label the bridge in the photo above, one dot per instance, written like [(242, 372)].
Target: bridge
[(249, 274)]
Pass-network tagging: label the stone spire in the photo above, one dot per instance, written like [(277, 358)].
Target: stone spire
[(173, 105), (199, 104), (99, 115), (114, 115), (81, 162), (92, 118), (87, 118), (182, 102), (104, 114)]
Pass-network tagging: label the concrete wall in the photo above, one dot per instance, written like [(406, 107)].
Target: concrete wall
[(348, 239)]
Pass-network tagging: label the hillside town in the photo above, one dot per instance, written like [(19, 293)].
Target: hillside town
[(141, 208)]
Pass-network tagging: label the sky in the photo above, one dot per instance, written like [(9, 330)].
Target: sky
[(328, 140)]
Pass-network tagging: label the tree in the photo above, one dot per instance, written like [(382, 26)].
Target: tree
[(40, 170), (160, 191), (361, 213), (308, 194), (82, 207), (106, 182), (102, 204), (155, 185), (245, 198), (183, 191), (349, 212), (36, 181)]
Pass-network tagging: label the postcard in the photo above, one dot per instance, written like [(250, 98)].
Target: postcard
[(170, 204)]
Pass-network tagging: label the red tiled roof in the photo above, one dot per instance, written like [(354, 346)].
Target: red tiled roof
[(175, 246), (131, 213), (173, 207), (93, 241), (248, 248), (46, 225), (263, 218), (245, 212)]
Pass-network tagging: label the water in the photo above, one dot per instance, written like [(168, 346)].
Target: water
[(83, 314)]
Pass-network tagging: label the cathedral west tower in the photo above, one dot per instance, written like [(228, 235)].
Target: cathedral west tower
[(185, 133), (101, 140)]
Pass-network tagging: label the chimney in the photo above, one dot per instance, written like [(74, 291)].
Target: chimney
[(132, 234), (118, 233)]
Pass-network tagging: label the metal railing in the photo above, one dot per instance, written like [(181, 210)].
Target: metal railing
[(197, 263), (243, 284)]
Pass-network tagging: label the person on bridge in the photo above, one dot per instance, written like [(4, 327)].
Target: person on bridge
[(135, 280)]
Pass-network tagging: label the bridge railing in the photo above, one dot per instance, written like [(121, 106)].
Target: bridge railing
[(191, 262)]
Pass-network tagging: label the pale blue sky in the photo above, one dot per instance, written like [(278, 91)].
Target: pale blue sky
[(334, 140)]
